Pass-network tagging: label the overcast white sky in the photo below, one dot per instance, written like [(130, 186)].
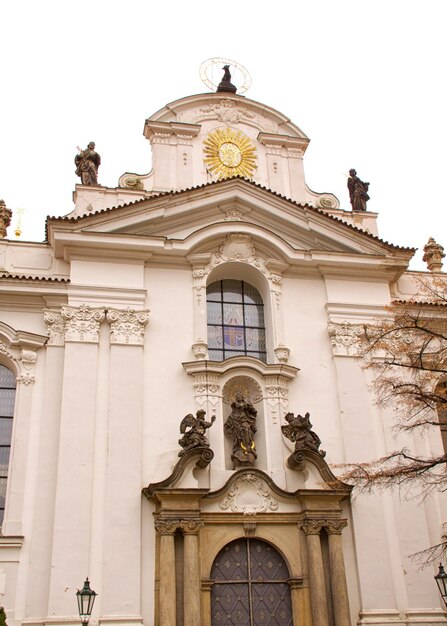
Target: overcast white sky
[(365, 80)]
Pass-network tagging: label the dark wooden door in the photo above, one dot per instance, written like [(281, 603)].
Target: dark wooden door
[(250, 586)]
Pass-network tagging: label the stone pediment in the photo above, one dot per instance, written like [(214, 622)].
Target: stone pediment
[(195, 221)]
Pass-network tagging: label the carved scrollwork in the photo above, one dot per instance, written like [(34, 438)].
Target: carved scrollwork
[(346, 338), (239, 498), (56, 327), (335, 526), (127, 326), (168, 526), (82, 323), (312, 527), (27, 360)]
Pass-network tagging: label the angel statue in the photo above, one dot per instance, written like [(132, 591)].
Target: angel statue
[(241, 426), (193, 430), (299, 430)]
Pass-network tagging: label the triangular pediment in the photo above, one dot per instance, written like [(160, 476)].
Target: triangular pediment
[(193, 221)]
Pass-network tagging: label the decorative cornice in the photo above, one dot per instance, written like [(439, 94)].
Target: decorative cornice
[(82, 323), (127, 326)]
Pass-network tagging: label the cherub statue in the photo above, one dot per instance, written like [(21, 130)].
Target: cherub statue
[(194, 437), (299, 430)]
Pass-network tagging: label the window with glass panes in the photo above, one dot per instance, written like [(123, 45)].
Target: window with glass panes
[(7, 398), (235, 320)]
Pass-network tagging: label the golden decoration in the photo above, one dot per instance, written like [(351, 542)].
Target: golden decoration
[(229, 153)]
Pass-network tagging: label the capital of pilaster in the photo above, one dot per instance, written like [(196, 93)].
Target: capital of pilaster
[(335, 526), (191, 526), (346, 338), (311, 526), (168, 526), (127, 326), (82, 323), (56, 327)]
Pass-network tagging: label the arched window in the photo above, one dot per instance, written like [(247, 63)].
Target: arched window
[(250, 586), (7, 398), (235, 320)]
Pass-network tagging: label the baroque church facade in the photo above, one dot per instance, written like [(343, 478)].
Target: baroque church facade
[(220, 287)]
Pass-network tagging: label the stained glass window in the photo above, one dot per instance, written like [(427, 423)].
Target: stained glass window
[(235, 320), (250, 586), (7, 397)]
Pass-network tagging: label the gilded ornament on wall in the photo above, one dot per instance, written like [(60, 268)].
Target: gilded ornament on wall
[(229, 153)]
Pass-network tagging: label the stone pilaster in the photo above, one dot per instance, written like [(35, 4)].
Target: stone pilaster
[(123, 431), (337, 572), (191, 573), (77, 438), (318, 599), (167, 591)]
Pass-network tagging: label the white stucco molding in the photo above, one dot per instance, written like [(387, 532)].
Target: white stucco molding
[(82, 323), (127, 326), (346, 338), (239, 248), (56, 327), (209, 378), (19, 350)]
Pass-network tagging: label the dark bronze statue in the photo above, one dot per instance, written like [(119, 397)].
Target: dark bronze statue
[(225, 84), (358, 191), (87, 164), (299, 430), (241, 426), (193, 430)]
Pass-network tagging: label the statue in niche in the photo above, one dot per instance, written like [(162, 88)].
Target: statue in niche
[(299, 431), (87, 164), (225, 84), (358, 191), (241, 426), (193, 430)]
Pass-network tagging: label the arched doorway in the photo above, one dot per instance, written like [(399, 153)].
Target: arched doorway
[(250, 586)]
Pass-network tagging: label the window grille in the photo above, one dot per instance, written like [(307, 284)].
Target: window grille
[(235, 320), (7, 398)]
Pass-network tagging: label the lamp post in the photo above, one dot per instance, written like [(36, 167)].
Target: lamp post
[(441, 581), (86, 599)]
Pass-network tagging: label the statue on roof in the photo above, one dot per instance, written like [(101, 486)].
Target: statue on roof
[(358, 191), (193, 430), (225, 84), (299, 431), (87, 164)]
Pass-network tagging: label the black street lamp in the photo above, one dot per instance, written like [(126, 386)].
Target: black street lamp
[(86, 599), (441, 581)]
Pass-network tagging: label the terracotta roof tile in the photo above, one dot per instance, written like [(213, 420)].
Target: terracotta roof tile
[(222, 182)]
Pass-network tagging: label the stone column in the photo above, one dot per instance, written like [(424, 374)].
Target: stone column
[(191, 575), (318, 599), (337, 572), (167, 600)]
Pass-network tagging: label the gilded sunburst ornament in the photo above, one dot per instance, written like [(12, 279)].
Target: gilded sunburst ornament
[(229, 153)]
